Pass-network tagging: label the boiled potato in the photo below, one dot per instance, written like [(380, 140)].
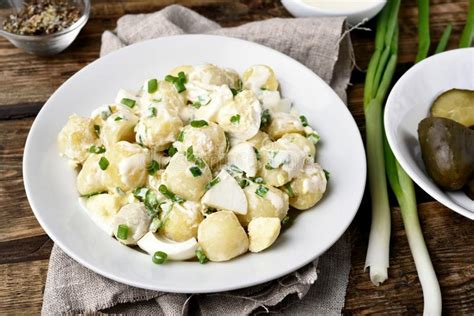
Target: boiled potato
[(159, 128), (168, 95), (259, 140), (280, 162), (221, 236), (211, 75), (308, 187), (119, 127), (91, 179), (183, 68), (302, 142), (76, 137), (241, 118), (135, 217), (127, 166), (264, 201), (180, 180), (208, 142), (260, 77), (263, 231), (181, 221), (102, 208), (284, 123)]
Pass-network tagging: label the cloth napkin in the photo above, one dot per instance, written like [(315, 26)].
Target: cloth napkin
[(319, 288)]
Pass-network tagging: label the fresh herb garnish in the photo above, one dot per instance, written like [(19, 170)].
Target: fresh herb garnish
[(152, 203), (128, 102), (153, 167), (122, 231), (103, 163), (313, 137), (140, 193), (261, 191), (289, 190), (327, 174), (92, 194), (195, 171), (180, 136), (269, 167), (266, 118), (201, 256), (199, 123), (152, 86), (304, 120), (196, 104), (152, 111), (118, 118), (159, 257), (235, 119), (97, 149), (213, 182), (170, 195), (97, 129), (285, 220), (177, 81), (243, 183), (172, 151)]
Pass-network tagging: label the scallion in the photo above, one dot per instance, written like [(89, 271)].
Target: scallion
[(122, 232), (128, 102), (159, 257), (152, 86), (199, 123), (195, 171), (235, 119), (261, 191), (201, 256), (97, 149), (152, 167), (103, 163)]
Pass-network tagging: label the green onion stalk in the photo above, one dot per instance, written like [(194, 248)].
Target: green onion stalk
[(468, 32), (379, 75), (404, 190), (443, 41)]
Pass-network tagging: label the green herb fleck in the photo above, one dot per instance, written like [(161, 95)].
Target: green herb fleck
[(97, 129), (140, 193), (313, 137), (201, 256), (172, 151), (170, 195), (327, 174), (153, 167), (199, 123), (118, 118), (285, 220), (152, 85), (92, 194), (289, 190), (103, 163), (196, 104), (269, 167), (261, 191), (266, 119), (213, 182), (122, 231), (243, 183), (128, 102), (97, 149), (177, 81), (180, 136), (159, 257), (152, 112), (195, 171), (152, 203), (304, 120), (235, 119)]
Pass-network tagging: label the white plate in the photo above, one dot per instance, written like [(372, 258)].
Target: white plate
[(409, 102), (50, 183)]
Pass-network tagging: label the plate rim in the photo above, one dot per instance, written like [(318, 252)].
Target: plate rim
[(77, 257), (389, 132)]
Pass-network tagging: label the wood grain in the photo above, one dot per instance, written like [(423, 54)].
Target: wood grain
[(27, 81)]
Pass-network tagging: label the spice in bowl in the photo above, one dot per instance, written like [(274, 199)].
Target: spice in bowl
[(42, 17)]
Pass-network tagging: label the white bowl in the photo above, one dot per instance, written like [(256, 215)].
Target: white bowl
[(356, 11), (50, 183), (409, 102)]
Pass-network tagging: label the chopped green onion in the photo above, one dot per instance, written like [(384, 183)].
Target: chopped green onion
[(118, 118), (235, 119), (199, 123), (201, 256), (140, 193), (327, 174), (97, 149), (196, 104), (156, 224), (180, 136), (152, 111), (234, 91), (159, 257), (289, 190), (170, 195), (285, 220), (152, 203), (314, 138), (195, 171), (210, 210), (172, 151), (152, 86), (122, 231), (189, 154), (256, 153), (261, 191), (153, 167), (156, 100), (243, 183), (177, 81), (213, 182), (97, 129), (266, 119), (304, 120), (234, 168), (103, 163), (200, 163), (92, 194), (269, 167), (128, 102)]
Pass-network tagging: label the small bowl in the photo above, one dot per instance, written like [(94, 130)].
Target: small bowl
[(355, 11), (44, 45), (410, 101)]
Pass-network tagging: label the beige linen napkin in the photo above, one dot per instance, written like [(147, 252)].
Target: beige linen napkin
[(323, 46)]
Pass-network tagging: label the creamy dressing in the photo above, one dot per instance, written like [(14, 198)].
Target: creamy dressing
[(290, 158), (275, 199), (341, 5), (258, 78), (131, 166)]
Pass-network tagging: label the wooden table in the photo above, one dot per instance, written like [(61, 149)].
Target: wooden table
[(27, 81)]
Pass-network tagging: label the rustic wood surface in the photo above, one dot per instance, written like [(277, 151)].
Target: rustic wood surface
[(27, 81)]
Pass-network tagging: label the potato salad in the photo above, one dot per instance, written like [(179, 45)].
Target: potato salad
[(203, 164)]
